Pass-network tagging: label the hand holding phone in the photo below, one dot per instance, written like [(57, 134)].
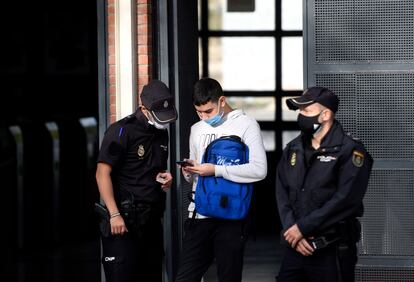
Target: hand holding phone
[(161, 179), (184, 163)]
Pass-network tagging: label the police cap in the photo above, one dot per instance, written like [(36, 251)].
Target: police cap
[(156, 97), (315, 94)]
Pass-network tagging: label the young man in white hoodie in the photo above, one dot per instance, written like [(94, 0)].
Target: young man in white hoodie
[(206, 238)]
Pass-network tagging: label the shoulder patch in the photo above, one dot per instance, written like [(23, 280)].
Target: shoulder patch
[(358, 158)]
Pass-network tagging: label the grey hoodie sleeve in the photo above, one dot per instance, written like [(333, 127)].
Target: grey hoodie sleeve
[(256, 169)]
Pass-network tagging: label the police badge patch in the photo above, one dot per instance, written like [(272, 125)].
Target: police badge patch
[(357, 158), (141, 151), (293, 159)]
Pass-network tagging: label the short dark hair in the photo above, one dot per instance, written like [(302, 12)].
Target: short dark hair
[(206, 90)]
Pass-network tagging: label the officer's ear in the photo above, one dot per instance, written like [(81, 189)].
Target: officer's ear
[(144, 111), (326, 115)]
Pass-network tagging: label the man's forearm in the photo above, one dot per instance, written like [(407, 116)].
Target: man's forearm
[(107, 193)]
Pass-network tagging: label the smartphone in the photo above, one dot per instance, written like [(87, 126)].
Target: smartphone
[(184, 163)]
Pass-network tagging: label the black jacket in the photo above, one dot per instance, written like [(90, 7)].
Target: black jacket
[(328, 188), (137, 152)]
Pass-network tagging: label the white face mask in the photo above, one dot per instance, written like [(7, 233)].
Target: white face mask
[(158, 125)]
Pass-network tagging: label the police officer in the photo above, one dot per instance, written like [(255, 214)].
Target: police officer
[(321, 181), (132, 178)]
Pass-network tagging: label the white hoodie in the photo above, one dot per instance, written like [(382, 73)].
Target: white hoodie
[(234, 123)]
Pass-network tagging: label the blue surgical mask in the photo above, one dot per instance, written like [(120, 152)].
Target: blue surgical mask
[(215, 119)]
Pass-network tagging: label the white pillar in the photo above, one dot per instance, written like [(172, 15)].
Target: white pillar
[(125, 53)]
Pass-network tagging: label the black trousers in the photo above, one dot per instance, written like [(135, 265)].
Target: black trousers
[(209, 239), (331, 264), (134, 256)]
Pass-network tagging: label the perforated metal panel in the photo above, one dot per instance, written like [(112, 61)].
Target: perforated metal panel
[(388, 222), (344, 86), (363, 30), (382, 273), (364, 51), (378, 108), (385, 113)]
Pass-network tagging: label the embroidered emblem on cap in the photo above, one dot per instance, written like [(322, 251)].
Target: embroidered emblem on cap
[(165, 104), (293, 159), (141, 151), (357, 158)]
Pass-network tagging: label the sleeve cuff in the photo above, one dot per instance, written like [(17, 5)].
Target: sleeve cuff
[(303, 228), (218, 170)]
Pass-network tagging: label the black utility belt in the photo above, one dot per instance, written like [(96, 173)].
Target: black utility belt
[(324, 241), (136, 205), (347, 231), (130, 208)]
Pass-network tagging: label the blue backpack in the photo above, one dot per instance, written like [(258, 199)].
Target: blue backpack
[(218, 197)]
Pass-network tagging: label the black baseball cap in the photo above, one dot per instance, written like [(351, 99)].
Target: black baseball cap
[(156, 97), (315, 94)]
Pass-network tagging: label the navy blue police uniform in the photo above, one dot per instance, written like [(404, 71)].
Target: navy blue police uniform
[(322, 191), (137, 152)]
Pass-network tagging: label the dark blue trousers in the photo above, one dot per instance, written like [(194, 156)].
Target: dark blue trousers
[(134, 257), (331, 264)]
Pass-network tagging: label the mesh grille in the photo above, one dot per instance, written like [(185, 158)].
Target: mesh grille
[(357, 43), (368, 273), (376, 107), (344, 86), (388, 223), (364, 30)]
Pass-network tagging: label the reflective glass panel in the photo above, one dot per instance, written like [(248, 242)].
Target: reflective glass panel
[(243, 63), (292, 15), (292, 63), (268, 140), (260, 108), (262, 18), (287, 114)]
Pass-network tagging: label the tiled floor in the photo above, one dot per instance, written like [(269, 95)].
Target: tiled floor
[(261, 261)]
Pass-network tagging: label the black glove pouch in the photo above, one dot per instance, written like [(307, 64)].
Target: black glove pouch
[(104, 225)]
